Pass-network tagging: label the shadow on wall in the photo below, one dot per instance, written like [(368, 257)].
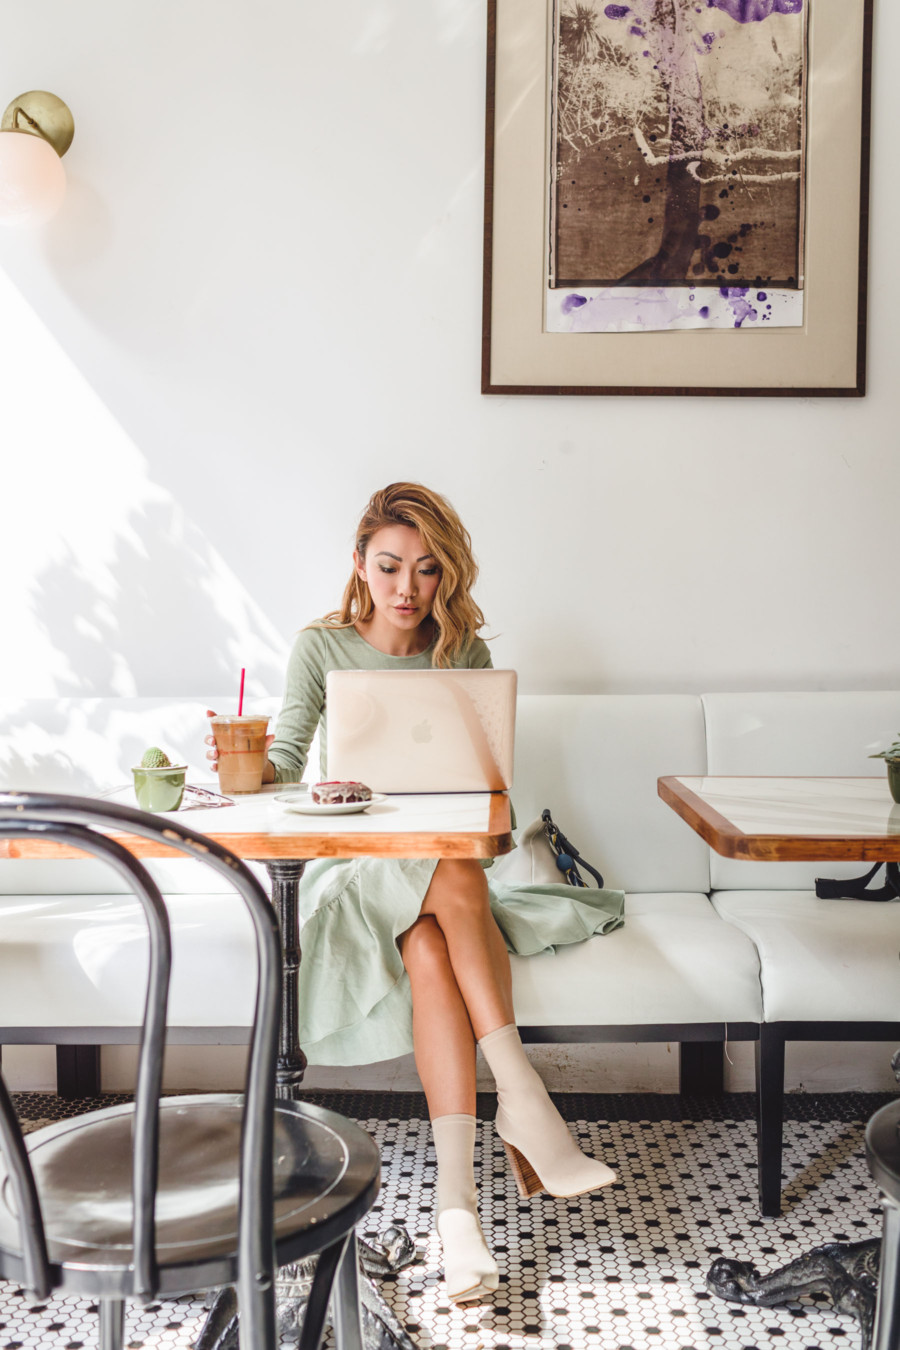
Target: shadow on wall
[(167, 609), (117, 592), (89, 745), (153, 611)]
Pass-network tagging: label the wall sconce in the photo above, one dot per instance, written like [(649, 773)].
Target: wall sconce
[(35, 132)]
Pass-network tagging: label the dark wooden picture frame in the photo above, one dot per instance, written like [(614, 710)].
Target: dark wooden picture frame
[(824, 357)]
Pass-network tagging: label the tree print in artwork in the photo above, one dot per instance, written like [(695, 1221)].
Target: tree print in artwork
[(677, 143)]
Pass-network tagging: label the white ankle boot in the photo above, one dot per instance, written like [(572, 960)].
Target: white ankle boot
[(470, 1272), (541, 1151)]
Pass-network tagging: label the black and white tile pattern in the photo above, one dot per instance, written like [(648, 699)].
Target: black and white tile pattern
[(620, 1270)]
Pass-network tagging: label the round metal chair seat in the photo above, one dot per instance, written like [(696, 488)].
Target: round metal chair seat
[(326, 1174), (883, 1149)]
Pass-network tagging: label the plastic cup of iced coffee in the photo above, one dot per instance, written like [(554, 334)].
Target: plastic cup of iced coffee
[(241, 743)]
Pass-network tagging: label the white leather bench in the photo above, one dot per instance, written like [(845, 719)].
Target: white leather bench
[(674, 972), (711, 949)]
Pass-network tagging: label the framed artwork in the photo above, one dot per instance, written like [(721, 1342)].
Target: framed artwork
[(676, 197)]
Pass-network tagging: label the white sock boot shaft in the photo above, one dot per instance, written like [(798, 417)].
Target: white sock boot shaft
[(470, 1272), (542, 1153)]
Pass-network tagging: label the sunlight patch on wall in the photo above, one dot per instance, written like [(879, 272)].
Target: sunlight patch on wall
[(114, 583)]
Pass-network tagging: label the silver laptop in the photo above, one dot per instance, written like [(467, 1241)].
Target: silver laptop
[(422, 730)]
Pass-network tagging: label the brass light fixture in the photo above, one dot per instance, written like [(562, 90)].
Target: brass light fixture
[(35, 132)]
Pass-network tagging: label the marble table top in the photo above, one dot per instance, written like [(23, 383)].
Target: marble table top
[(259, 826), (789, 818)]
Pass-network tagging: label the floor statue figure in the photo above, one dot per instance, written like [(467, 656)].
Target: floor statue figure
[(846, 1271)]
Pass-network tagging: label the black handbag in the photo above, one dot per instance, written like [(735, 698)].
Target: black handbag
[(568, 859)]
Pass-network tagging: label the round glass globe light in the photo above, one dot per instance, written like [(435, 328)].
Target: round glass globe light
[(32, 179)]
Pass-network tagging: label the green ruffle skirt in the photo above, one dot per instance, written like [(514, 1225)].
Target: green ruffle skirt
[(355, 1005)]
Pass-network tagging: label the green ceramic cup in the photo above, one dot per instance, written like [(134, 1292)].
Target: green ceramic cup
[(893, 768), (159, 789)]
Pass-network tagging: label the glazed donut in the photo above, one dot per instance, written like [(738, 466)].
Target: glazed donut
[(334, 793)]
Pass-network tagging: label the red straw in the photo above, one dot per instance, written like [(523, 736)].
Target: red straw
[(241, 694)]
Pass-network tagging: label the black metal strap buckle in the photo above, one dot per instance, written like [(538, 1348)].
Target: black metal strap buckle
[(856, 888)]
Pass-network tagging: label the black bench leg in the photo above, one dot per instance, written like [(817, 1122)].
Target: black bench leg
[(77, 1071), (770, 1117), (701, 1068)]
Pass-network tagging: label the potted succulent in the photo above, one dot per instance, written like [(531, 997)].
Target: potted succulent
[(891, 757), (158, 783)]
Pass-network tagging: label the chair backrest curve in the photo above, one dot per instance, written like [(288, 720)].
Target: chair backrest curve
[(34, 1242), (71, 819)]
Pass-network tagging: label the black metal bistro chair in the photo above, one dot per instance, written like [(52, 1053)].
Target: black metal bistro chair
[(883, 1157), (166, 1197)]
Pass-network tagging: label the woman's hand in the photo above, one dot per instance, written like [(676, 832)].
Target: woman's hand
[(213, 753)]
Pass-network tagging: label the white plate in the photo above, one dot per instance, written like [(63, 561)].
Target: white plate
[(304, 804)]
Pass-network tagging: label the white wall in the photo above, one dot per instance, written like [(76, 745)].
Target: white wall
[(267, 275), (263, 292)]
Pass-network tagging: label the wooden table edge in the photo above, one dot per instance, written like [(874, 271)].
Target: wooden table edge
[(730, 842), (493, 842), (704, 819)]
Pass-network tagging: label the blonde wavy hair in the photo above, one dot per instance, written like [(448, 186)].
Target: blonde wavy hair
[(455, 614)]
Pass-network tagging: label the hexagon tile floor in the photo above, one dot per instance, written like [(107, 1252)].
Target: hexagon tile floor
[(621, 1270)]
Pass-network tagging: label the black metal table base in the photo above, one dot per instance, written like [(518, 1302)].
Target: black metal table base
[(286, 876), (298, 1287), (848, 1272)]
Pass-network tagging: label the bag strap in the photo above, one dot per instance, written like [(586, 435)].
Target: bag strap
[(857, 888), (568, 859)]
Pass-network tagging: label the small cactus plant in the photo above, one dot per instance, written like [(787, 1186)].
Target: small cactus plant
[(891, 757), (892, 754), (154, 758)]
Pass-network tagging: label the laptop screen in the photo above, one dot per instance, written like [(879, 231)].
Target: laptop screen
[(422, 730)]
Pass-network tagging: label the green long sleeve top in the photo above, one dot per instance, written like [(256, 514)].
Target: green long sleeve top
[(315, 652)]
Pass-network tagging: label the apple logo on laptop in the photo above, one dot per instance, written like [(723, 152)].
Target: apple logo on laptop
[(421, 732)]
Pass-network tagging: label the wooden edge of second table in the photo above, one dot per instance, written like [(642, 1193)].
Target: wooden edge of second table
[(731, 842), (718, 832)]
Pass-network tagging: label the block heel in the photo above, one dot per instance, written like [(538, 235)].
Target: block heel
[(544, 1156), (527, 1180)]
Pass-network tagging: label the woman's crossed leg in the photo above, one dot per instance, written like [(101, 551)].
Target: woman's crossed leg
[(462, 992)]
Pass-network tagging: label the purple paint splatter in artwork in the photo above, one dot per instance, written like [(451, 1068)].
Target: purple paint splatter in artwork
[(573, 302), (652, 308), (742, 309), (617, 11), (754, 11)]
